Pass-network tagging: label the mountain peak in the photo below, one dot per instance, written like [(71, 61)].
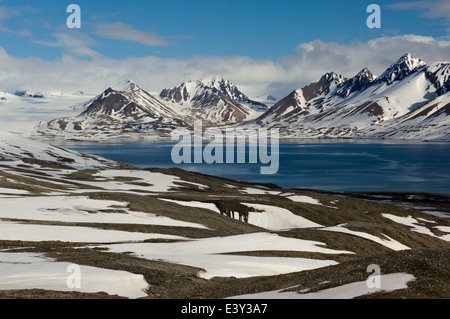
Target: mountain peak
[(212, 80), (407, 57), (404, 66), (358, 83), (365, 73), (323, 86), (126, 85), (225, 86), (410, 61), (127, 101), (332, 77)]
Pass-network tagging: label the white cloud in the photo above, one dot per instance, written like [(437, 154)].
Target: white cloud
[(255, 77), (410, 5), (318, 57), (122, 31), (78, 44), (430, 9)]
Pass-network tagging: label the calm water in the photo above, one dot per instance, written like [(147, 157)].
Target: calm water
[(327, 165)]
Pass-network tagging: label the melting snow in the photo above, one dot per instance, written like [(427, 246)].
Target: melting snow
[(389, 282), (79, 209), (388, 242), (258, 191), (277, 218), (304, 199), (30, 232), (208, 254), (413, 223), (35, 271), (158, 182)]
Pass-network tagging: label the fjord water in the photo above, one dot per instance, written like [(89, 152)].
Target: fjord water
[(334, 165)]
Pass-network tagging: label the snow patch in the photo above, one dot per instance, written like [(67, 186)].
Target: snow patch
[(389, 282), (35, 271), (77, 234), (210, 254), (387, 241), (277, 218), (413, 223)]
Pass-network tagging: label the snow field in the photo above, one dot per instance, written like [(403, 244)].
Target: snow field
[(35, 271), (77, 234), (80, 209), (211, 255)]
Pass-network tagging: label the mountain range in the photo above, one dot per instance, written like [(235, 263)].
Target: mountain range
[(126, 110), (409, 100)]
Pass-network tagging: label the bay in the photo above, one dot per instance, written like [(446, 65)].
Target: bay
[(335, 165)]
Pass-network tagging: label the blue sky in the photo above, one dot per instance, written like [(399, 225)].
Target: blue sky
[(264, 46), (264, 29)]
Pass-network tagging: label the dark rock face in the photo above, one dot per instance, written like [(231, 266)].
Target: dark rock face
[(356, 84), (405, 66), (439, 76), (322, 86)]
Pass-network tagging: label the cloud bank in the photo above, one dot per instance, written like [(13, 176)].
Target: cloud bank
[(309, 62)]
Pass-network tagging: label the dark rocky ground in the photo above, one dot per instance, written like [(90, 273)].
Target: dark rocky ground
[(427, 260)]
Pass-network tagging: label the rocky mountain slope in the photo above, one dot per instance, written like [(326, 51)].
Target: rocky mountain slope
[(168, 233), (125, 109), (215, 101), (408, 100)]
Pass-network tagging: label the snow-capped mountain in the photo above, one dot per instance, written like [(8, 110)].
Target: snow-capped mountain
[(430, 121), (311, 99), (126, 110), (401, 69), (369, 106), (214, 100), (358, 83), (120, 110), (127, 101), (232, 91)]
